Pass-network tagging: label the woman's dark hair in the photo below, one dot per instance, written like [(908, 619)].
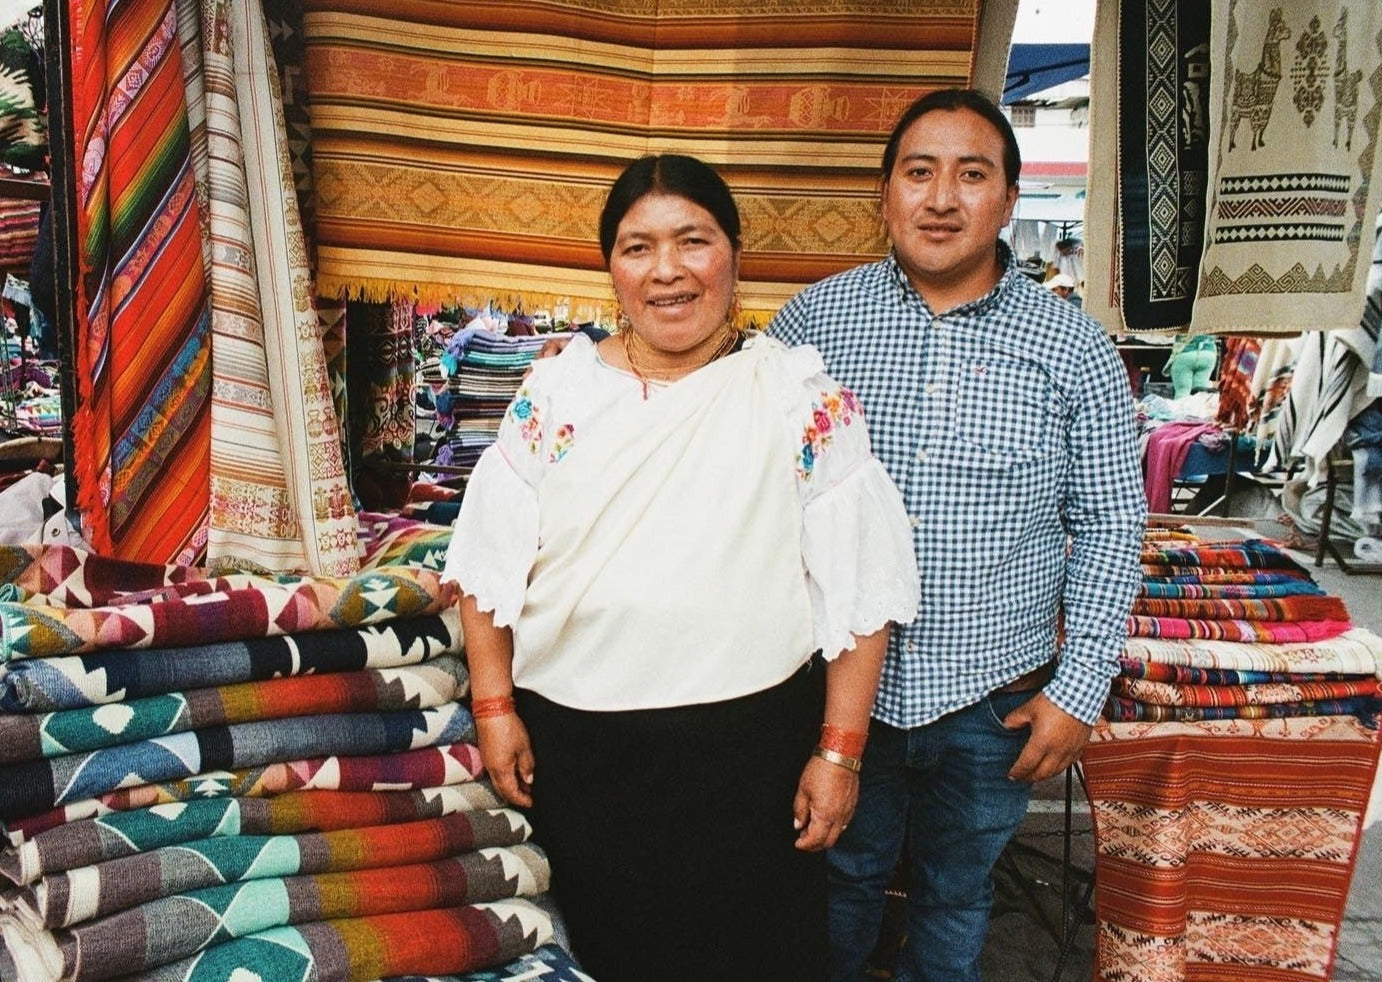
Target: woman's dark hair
[(668, 173), (952, 100)]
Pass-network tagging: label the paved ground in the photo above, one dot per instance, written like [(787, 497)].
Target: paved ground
[(1022, 946)]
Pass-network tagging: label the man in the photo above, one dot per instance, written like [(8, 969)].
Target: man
[(1004, 415), (1064, 287)]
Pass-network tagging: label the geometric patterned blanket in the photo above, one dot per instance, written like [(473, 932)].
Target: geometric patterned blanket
[(458, 763), (95, 840), (40, 685), (36, 786), (550, 963), (440, 941), (162, 931), (92, 892), (266, 608), (30, 736), (1225, 849)]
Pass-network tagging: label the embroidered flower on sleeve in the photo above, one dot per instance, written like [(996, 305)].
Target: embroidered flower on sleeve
[(566, 435), (831, 409), (529, 420)]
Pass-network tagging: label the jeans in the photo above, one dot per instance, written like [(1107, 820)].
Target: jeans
[(943, 789)]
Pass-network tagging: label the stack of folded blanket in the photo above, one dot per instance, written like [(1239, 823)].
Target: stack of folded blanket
[(476, 378), (1224, 630), (246, 776)]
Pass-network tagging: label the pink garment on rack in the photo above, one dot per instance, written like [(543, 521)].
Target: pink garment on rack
[(1167, 447)]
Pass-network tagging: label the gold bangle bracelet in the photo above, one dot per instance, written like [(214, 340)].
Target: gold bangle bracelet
[(843, 760)]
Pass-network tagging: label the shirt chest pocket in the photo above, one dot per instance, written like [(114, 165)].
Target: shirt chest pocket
[(1005, 410)]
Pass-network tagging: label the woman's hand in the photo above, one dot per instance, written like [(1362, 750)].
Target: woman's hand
[(824, 804), (508, 757)]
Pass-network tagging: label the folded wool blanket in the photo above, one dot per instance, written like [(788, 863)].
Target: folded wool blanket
[(36, 786), (1355, 652), (550, 963), (1225, 608), (1253, 632), (374, 597), (393, 540), (40, 685), (119, 834), (431, 942), (1257, 694), (1186, 675), (1242, 591), (70, 577), (1244, 554), (445, 765), (427, 686), (178, 926), (1122, 710), (1158, 573), (91, 892)]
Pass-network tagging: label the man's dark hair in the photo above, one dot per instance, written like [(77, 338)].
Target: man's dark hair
[(669, 173), (951, 100)]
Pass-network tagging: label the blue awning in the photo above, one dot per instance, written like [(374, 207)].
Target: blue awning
[(1033, 68)]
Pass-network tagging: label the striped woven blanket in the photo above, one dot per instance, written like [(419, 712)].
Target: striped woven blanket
[(86, 842), (432, 767)]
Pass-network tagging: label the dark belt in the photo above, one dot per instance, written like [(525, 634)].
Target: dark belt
[(1035, 679)]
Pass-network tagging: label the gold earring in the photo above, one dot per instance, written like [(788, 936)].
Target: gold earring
[(736, 309), (621, 319)]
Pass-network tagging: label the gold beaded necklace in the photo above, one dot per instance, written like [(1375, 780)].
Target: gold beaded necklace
[(725, 346)]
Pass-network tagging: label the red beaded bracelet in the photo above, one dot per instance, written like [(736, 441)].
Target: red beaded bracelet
[(842, 741), (492, 707)]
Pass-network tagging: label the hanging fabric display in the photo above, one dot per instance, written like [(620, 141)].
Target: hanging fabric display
[(141, 450), (461, 152), (1244, 139), (279, 497), (1295, 176)]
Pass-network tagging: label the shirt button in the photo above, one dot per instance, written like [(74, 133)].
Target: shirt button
[(911, 646), (921, 455), (915, 522), (930, 387)]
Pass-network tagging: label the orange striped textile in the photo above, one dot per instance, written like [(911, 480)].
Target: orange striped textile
[(1225, 849), (462, 151), (141, 430)]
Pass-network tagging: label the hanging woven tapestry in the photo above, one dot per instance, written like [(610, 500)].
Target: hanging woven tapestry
[(1163, 140), (1295, 177), (462, 151)]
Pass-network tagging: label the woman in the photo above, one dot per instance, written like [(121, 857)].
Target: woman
[(671, 521)]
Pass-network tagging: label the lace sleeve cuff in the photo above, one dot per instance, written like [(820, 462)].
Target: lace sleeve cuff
[(857, 546)]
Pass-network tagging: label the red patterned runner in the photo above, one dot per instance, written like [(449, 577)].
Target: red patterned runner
[(1225, 849)]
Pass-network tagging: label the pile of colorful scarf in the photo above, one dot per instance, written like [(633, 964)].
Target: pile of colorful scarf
[(1210, 614), (204, 775), (1185, 600)]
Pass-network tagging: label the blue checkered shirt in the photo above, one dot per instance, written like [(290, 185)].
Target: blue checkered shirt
[(1007, 423)]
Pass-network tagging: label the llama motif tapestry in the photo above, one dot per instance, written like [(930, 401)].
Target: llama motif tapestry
[(462, 151), (1295, 178)]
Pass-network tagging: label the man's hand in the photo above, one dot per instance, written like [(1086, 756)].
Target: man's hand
[(1055, 742)]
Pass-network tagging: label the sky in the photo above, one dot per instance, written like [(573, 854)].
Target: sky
[(1054, 22)]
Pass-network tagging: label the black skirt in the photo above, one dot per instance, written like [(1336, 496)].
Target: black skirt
[(670, 835)]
